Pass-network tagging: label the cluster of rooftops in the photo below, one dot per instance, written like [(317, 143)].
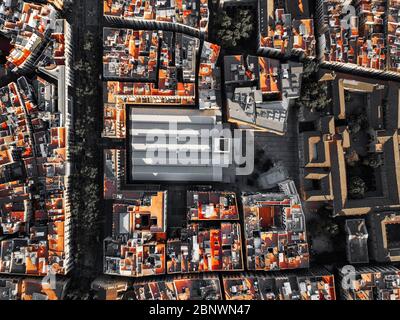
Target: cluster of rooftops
[(317, 284), (210, 239), (13, 288), (148, 67), (171, 288), (367, 283), (34, 177), (260, 91), (286, 27), (161, 67), (188, 13), (368, 37), (30, 26), (275, 232), (356, 33), (163, 64), (374, 283), (34, 150)]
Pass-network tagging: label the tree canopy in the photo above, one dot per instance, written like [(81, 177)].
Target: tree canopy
[(357, 188), (231, 30), (314, 96), (373, 160)]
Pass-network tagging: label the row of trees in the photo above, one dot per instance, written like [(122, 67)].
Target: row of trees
[(86, 190)]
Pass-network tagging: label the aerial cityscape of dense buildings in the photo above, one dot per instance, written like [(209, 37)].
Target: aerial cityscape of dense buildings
[(313, 285), (143, 156), (263, 106), (373, 283), (191, 14), (275, 231), (31, 289), (35, 213), (362, 33), (286, 27)]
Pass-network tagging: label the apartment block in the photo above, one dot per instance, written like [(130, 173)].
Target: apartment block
[(275, 230)]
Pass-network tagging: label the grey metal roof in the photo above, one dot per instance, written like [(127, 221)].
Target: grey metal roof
[(156, 159)]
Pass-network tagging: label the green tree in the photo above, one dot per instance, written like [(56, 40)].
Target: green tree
[(358, 122), (231, 30), (374, 160), (310, 68), (314, 96), (357, 188)]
